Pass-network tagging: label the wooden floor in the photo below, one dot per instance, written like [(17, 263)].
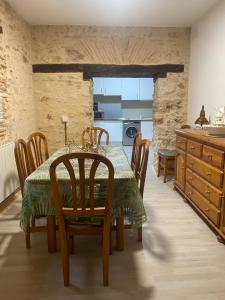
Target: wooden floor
[(180, 258)]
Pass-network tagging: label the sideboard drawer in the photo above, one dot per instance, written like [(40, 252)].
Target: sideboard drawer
[(211, 174), (181, 142), (209, 210), (194, 148), (206, 189), (213, 156)]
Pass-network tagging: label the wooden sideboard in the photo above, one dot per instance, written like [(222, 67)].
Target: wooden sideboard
[(199, 175)]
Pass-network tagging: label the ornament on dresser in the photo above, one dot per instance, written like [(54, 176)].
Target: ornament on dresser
[(220, 117), (201, 120)]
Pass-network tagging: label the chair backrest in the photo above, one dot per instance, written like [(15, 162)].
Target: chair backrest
[(22, 161), (142, 165), (94, 135), (37, 149), (135, 150), (84, 188)]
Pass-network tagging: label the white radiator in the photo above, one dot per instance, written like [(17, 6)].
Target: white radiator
[(8, 173)]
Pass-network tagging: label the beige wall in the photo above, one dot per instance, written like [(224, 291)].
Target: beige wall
[(16, 77), (207, 64), (145, 46)]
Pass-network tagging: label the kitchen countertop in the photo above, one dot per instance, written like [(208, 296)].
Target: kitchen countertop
[(123, 119)]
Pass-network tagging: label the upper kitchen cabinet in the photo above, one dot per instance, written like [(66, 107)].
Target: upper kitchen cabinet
[(98, 86), (107, 86), (127, 88), (130, 89), (146, 88), (112, 86)]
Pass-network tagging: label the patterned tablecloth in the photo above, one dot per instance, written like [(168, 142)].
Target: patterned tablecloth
[(126, 196)]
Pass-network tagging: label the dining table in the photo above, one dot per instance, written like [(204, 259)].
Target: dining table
[(38, 197)]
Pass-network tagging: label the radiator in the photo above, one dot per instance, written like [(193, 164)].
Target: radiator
[(9, 181)]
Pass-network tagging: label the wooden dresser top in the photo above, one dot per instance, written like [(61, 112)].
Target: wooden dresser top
[(201, 136)]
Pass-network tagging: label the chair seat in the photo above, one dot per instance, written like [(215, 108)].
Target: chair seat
[(167, 153), (84, 221)]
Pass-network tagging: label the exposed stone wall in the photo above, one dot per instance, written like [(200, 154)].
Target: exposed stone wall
[(62, 94), (16, 75), (3, 90), (169, 109), (146, 46), (117, 45)]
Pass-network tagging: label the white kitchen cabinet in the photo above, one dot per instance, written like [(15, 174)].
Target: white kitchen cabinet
[(130, 89), (146, 88), (98, 85), (114, 129), (147, 129), (112, 86)]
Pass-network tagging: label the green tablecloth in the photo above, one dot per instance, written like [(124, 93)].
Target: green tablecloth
[(38, 196)]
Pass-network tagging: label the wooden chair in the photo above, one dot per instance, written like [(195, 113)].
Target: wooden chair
[(135, 151), (94, 134), (140, 175), (166, 162), (37, 149), (141, 171), (142, 164), (83, 205), (24, 170)]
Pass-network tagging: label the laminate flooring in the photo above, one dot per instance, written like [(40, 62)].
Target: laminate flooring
[(180, 257)]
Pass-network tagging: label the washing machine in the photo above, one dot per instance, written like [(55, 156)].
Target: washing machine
[(130, 128)]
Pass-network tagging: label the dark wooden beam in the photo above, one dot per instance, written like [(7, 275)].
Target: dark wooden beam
[(103, 70), (1, 31)]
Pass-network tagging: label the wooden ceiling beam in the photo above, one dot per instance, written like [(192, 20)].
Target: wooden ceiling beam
[(106, 70)]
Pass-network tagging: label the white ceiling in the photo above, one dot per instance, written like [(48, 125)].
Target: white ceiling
[(156, 13)]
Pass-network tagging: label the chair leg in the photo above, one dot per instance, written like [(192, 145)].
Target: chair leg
[(140, 234), (28, 237), (106, 249), (65, 260), (165, 170), (159, 166), (33, 221), (120, 232)]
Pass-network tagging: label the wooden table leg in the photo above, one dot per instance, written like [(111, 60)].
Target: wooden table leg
[(120, 233), (51, 234)]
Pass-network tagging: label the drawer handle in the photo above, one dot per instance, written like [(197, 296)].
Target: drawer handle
[(208, 174), (192, 148), (207, 192), (206, 209), (210, 156)]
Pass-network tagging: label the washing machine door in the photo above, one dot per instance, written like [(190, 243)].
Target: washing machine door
[(131, 131)]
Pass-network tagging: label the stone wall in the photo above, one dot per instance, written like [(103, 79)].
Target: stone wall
[(145, 46), (62, 94), (169, 109), (16, 75)]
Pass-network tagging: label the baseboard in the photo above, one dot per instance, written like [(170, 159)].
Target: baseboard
[(5, 203)]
